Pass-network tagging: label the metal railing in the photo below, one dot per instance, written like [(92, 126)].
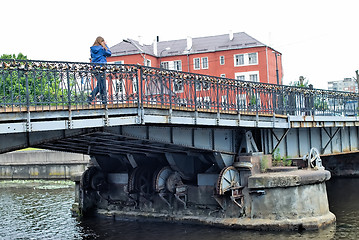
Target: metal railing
[(41, 85)]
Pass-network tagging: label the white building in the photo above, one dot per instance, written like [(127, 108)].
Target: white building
[(346, 85)]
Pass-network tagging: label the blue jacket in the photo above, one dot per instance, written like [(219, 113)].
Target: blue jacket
[(99, 54)]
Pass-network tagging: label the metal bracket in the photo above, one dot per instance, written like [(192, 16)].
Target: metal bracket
[(248, 144), (330, 138), (279, 140)]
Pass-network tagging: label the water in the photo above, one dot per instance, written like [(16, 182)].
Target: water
[(39, 211)]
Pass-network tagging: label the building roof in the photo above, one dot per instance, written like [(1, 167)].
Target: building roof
[(179, 47)]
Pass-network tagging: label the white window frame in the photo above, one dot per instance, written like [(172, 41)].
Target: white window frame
[(252, 58), (172, 65), (177, 65), (196, 63), (240, 77), (247, 75), (165, 65), (221, 60), (223, 75), (204, 64), (237, 59), (248, 59), (253, 77), (148, 62)]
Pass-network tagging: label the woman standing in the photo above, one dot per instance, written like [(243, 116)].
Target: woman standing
[(99, 52)]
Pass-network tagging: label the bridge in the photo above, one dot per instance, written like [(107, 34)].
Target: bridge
[(155, 111), (163, 139)]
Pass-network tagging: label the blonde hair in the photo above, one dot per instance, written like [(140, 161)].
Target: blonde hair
[(98, 41)]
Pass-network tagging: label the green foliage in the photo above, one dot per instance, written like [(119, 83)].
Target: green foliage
[(278, 161), (35, 86), (302, 82), (321, 104), (20, 56)]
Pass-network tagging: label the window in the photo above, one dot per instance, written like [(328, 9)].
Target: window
[(205, 63), (177, 65), (238, 60), (148, 62), (165, 65), (245, 59), (221, 60), (119, 62), (172, 65), (247, 76), (252, 58), (196, 63), (253, 77), (223, 75), (240, 77)]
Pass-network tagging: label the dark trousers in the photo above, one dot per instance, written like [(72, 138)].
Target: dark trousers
[(100, 87)]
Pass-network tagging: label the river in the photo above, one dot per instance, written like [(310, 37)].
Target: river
[(41, 210)]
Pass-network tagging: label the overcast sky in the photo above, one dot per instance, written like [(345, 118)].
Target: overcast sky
[(318, 39)]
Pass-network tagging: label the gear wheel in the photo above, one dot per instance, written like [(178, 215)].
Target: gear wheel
[(228, 179)]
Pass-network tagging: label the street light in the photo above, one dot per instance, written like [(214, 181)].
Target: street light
[(166, 49), (138, 48), (276, 65)]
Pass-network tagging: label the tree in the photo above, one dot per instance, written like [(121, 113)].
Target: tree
[(25, 86), (302, 82), (20, 56)]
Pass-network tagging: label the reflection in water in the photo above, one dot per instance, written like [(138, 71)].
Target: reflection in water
[(35, 213)]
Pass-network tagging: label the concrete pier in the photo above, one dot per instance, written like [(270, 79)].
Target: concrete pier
[(269, 198)]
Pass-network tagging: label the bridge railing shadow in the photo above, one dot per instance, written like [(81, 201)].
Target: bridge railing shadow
[(27, 85)]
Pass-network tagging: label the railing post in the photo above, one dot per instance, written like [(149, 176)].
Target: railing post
[(28, 118), (68, 88), (139, 95), (217, 97), (27, 91), (195, 93), (170, 92)]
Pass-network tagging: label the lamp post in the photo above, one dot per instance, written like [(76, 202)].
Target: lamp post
[(138, 48), (166, 49), (276, 65)]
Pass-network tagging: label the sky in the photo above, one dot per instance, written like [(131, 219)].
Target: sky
[(318, 39)]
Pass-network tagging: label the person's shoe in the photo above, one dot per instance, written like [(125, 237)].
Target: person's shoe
[(89, 100)]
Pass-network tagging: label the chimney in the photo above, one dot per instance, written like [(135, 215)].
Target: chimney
[(155, 46), (230, 35), (140, 40), (189, 43)]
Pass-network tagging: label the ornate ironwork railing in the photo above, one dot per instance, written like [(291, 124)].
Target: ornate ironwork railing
[(38, 85)]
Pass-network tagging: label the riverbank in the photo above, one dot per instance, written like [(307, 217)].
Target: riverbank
[(41, 164)]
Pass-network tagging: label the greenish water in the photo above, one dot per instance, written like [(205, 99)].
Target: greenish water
[(41, 210)]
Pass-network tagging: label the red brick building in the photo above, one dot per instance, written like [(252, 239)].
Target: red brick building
[(233, 55)]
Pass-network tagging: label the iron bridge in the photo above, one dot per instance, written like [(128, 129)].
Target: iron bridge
[(151, 114)]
